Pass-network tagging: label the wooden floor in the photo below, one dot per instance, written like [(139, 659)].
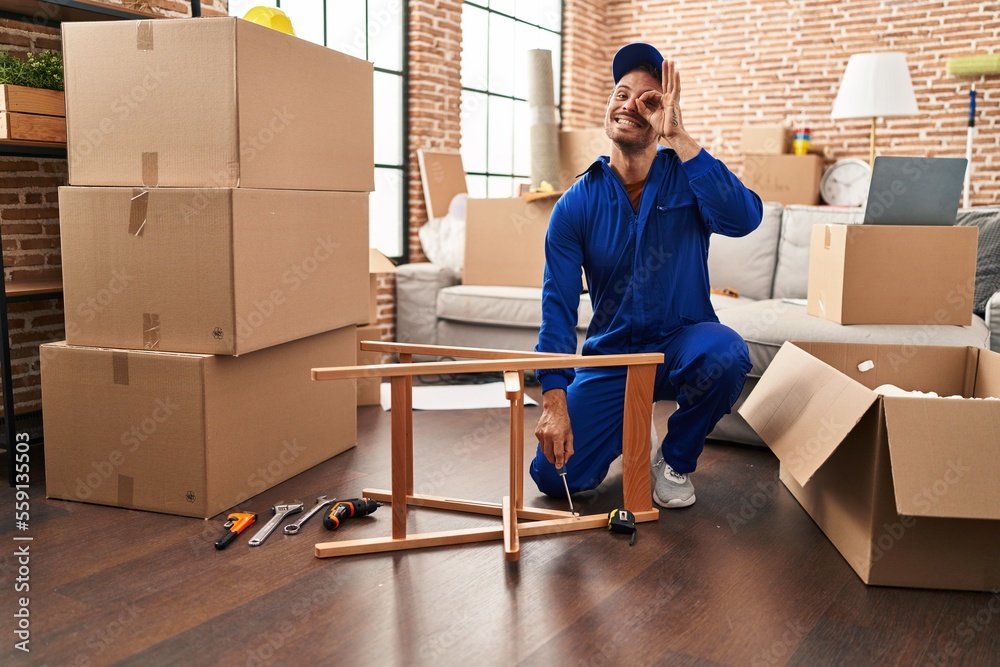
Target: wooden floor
[(743, 577)]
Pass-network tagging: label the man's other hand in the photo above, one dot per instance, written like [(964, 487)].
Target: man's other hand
[(553, 431)]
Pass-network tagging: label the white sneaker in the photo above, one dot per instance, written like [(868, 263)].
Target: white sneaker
[(670, 489)]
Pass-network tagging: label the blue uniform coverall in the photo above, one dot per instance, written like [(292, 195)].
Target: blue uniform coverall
[(647, 274)]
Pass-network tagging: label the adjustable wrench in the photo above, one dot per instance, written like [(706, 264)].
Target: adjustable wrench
[(280, 512), (321, 502)]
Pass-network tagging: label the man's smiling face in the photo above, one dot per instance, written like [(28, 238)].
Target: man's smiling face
[(623, 123)]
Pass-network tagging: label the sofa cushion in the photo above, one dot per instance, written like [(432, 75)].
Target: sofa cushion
[(792, 271), (987, 219), (417, 287), (500, 306), (766, 325), (746, 264), (723, 301)]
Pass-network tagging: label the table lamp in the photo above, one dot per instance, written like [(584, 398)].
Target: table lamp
[(875, 85)]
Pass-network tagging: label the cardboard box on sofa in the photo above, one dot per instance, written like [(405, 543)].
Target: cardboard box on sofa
[(766, 139), (191, 434), (368, 388), (787, 179), (216, 102), (892, 274), (505, 241), (213, 270), (904, 486)]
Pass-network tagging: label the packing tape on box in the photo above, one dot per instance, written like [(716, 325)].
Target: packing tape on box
[(119, 367), (150, 169), (126, 486), (138, 207), (150, 331), (144, 36)]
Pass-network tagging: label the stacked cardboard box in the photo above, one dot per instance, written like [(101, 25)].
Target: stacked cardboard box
[(770, 169), (214, 242)]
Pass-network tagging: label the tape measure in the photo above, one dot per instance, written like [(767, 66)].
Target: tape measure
[(622, 521)]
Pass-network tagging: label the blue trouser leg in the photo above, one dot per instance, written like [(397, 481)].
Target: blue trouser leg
[(705, 366)]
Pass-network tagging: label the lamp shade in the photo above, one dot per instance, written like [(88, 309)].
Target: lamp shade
[(875, 85)]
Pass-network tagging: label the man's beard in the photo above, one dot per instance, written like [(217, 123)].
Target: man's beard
[(630, 146)]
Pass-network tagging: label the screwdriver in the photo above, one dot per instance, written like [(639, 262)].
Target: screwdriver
[(568, 496), (348, 508)]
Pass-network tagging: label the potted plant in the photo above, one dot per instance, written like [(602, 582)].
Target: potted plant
[(32, 104)]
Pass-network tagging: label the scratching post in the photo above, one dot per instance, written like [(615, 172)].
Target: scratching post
[(544, 128)]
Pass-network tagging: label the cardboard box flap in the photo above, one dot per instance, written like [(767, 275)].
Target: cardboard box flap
[(945, 456), (802, 408), (379, 263), (442, 176)]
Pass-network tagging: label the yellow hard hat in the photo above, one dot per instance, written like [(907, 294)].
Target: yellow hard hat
[(270, 17)]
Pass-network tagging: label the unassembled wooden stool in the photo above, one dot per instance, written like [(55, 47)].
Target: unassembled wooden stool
[(635, 446)]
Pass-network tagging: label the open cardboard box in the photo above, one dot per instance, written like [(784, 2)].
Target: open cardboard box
[(377, 264), (904, 486)]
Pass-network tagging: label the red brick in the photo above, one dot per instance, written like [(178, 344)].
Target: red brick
[(41, 243), (29, 213), (18, 165)]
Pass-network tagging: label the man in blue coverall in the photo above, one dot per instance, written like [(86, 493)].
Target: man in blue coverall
[(639, 222)]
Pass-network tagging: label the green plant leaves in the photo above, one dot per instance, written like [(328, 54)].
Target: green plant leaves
[(38, 70)]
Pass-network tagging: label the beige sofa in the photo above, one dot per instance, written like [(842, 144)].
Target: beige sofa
[(768, 269)]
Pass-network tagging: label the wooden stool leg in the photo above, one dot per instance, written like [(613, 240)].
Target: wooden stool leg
[(514, 386), (635, 438), (406, 359), (402, 452)]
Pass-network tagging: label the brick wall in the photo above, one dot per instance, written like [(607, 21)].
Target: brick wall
[(777, 61), (29, 214), (586, 63), (434, 94)]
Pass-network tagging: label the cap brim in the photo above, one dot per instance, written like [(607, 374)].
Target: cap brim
[(631, 56)]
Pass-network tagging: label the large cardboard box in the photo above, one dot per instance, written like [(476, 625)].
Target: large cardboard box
[(214, 270), (216, 102), (577, 150), (368, 388), (787, 179), (904, 486), (377, 264), (766, 139), (191, 434), (505, 241), (892, 274)]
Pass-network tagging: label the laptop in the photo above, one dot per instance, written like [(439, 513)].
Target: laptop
[(915, 190)]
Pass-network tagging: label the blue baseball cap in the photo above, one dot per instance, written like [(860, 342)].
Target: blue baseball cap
[(631, 56)]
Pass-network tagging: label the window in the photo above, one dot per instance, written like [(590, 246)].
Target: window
[(373, 30), (496, 124)]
